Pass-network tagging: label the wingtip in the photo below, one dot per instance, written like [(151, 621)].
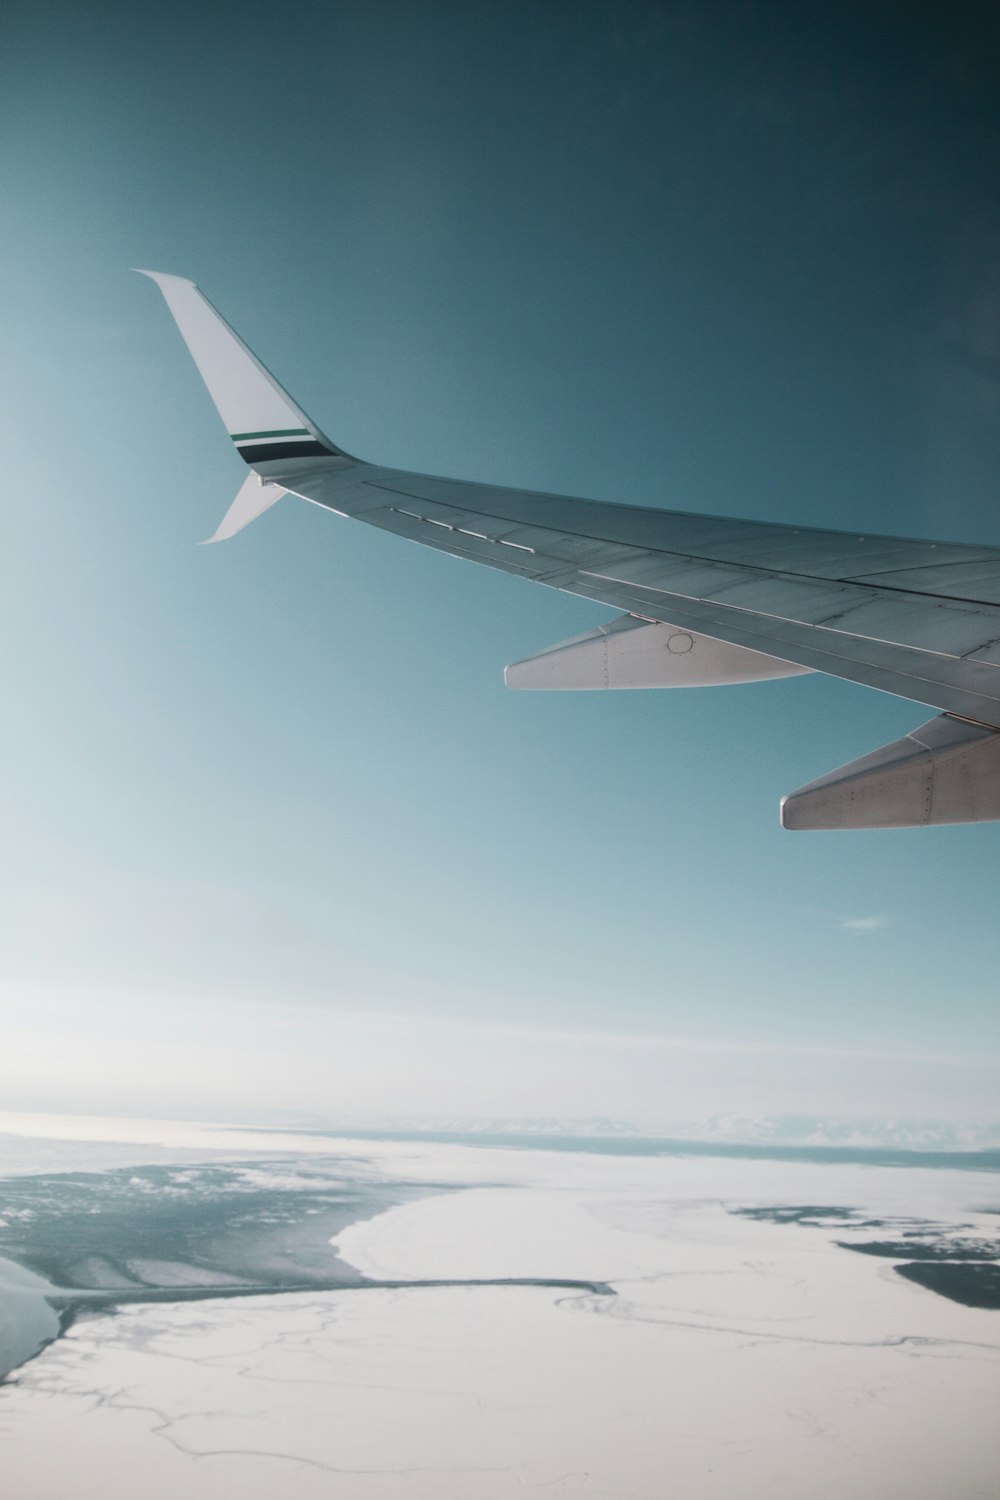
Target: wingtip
[(160, 276)]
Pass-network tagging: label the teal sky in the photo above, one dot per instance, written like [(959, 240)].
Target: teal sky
[(733, 258)]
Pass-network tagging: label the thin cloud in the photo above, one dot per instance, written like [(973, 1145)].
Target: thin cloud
[(864, 924)]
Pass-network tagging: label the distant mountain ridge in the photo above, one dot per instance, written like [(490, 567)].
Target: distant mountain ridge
[(905, 1134)]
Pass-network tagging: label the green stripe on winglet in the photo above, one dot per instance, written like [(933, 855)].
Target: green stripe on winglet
[(239, 437)]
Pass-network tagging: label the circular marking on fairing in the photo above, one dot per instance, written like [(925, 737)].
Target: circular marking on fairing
[(680, 643)]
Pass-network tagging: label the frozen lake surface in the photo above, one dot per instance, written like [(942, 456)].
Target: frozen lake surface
[(579, 1322)]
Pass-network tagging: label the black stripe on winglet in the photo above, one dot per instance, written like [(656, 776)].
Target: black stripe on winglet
[(255, 453)]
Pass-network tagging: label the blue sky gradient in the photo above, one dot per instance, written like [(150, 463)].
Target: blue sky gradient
[(732, 258)]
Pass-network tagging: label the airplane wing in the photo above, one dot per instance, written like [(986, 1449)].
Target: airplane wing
[(705, 600)]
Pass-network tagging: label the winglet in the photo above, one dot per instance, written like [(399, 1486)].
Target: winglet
[(253, 500), (262, 419)]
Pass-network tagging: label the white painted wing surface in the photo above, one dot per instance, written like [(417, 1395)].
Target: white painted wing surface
[(915, 618)]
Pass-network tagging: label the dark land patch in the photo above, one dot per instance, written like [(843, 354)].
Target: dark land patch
[(971, 1284), (926, 1250), (937, 1257), (801, 1213)]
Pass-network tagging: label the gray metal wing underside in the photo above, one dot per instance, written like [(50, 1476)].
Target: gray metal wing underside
[(915, 618)]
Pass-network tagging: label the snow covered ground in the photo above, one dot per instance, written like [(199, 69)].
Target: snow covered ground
[(736, 1358)]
